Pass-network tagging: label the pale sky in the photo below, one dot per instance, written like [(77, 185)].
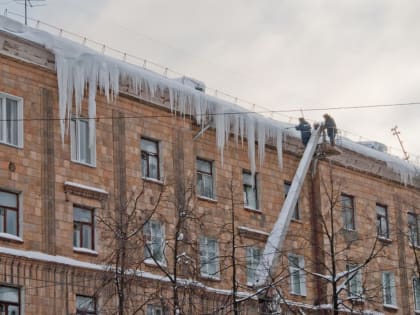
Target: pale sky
[(280, 55)]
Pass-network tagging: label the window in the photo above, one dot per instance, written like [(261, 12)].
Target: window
[(382, 221), (83, 233), (413, 228), (296, 213), (85, 305), (209, 257), (9, 213), (9, 301), (253, 255), (250, 190), (154, 242), (150, 158), (388, 286), (297, 275), (416, 290), (82, 150), (354, 284), (11, 120), (347, 205), (154, 310), (205, 178)]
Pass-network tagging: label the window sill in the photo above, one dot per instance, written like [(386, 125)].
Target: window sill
[(356, 300), (390, 306), (151, 262), (211, 278), (12, 145), (10, 237), (84, 163), (384, 239), (204, 198), (298, 294), (87, 251), (153, 180), (252, 209), (299, 221)]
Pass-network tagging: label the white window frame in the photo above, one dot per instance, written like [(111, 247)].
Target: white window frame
[(9, 208), (383, 229), (4, 122), (154, 242), (158, 156), (91, 302), (413, 229), (154, 310), (76, 143), (297, 271), (349, 212), (416, 293), (388, 289), (91, 224), (205, 176), (209, 257), (13, 303), (254, 190), (253, 256), (354, 283)]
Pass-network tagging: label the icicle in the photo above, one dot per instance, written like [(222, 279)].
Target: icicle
[(279, 146), (92, 109), (261, 130), (251, 143), (62, 69)]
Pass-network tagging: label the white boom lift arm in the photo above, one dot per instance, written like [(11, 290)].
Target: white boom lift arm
[(278, 234)]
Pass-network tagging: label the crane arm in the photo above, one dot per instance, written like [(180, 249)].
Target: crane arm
[(278, 234)]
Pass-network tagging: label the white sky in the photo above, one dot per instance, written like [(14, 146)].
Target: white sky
[(279, 54)]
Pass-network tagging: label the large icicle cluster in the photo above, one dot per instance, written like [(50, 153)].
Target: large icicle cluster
[(80, 68)]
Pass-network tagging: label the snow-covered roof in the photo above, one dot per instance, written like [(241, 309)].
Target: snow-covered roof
[(79, 66)]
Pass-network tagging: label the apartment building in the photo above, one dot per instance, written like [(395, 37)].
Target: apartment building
[(120, 195)]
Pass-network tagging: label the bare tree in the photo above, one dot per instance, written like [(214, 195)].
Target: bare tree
[(122, 231)]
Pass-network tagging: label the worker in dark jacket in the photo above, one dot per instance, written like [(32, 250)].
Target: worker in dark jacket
[(331, 127), (305, 130)]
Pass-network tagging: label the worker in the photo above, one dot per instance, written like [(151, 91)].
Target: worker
[(331, 127), (305, 130)]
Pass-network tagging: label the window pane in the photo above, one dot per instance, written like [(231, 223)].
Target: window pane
[(11, 123), (251, 197), (13, 310), (204, 166), (208, 186), (149, 146), (8, 199), (248, 180), (85, 303), (11, 222), (82, 215), (76, 234), (2, 211), (144, 163), (416, 288), (87, 236), (84, 153), (8, 294), (296, 281), (153, 167)]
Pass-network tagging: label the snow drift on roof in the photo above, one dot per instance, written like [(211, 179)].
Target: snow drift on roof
[(79, 66)]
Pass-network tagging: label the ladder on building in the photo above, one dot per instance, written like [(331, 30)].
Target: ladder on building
[(278, 234)]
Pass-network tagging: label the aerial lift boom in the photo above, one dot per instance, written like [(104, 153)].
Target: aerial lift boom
[(278, 234)]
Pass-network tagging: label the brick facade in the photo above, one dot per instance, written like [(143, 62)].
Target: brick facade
[(42, 169)]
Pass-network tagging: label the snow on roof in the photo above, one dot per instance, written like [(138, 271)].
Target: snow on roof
[(79, 66)]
